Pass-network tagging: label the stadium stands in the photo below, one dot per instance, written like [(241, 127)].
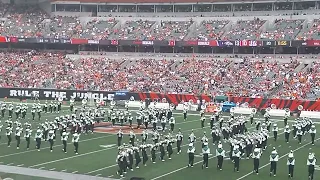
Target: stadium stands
[(216, 76)]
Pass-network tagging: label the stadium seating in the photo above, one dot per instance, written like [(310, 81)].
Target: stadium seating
[(214, 76), (245, 30), (283, 29), (132, 30), (211, 75)]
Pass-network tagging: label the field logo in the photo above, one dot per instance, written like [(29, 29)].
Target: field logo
[(107, 127)]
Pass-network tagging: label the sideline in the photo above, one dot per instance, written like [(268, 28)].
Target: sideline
[(48, 174)]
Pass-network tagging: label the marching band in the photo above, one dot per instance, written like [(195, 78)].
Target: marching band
[(232, 131)]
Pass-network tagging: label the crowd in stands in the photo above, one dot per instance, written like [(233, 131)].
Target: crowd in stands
[(253, 77)]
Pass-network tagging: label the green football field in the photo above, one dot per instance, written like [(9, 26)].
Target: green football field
[(97, 156)]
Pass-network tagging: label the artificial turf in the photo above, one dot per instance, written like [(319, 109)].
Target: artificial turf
[(96, 160)]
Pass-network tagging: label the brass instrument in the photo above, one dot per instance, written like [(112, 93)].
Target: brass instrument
[(273, 106), (300, 107)]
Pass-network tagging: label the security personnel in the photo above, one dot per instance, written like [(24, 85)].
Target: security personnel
[(205, 155), (256, 159), (236, 153), (120, 136), (275, 131), (313, 132), (75, 141), (290, 162), (274, 157), (287, 133), (220, 154), (64, 139), (179, 138), (311, 162)]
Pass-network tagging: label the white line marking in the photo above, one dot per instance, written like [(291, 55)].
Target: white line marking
[(52, 169), (279, 159), (23, 152), (71, 157), (64, 170), (20, 165), (166, 174), (10, 164), (74, 172), (110, 176), (42, 168), (98, 175)]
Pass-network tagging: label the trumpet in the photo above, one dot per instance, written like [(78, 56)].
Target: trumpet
[(273, 106), (300, 107)]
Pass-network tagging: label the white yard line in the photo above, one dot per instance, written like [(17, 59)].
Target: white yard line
[(20, 165), (64, 170), (182, 168), (52, 169), (283, 156), (42, 167), (23, 152), (74, 172), (10, 164)]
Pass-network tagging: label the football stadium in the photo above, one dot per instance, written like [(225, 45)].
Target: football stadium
[(159, 90)]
